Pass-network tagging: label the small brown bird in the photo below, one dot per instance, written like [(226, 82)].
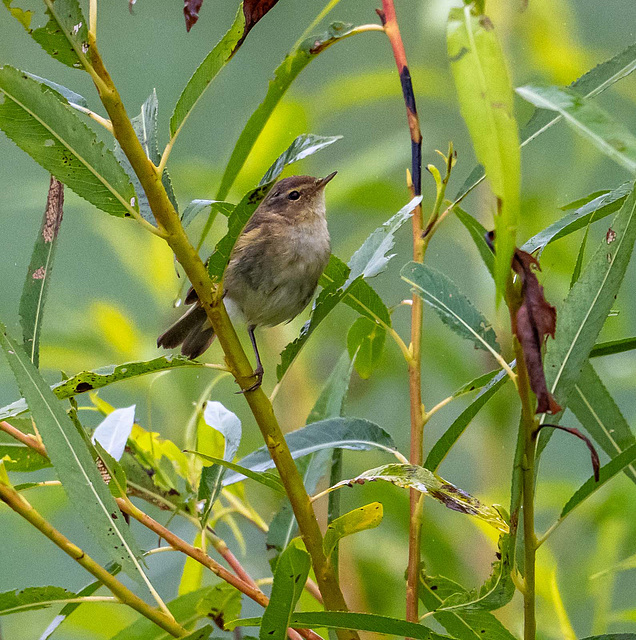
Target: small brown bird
[(273, 270)]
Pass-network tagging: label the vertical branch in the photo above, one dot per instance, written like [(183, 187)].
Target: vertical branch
[(170, 228), (392, 30), (524, 477)]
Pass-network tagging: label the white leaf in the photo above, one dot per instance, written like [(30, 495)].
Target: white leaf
[(114, 430)]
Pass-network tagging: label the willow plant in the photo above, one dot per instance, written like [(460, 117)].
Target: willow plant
[(108, 473)]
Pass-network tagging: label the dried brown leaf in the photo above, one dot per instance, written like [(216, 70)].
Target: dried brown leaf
[(535, 320), (191, 10)]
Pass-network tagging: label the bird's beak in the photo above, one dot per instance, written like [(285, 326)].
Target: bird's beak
[(323, 181)]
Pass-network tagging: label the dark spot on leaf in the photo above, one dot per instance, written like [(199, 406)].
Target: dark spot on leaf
[(498, 555), (486, 23), (459, 55), (82, 387), (114, 516), (433, 587)]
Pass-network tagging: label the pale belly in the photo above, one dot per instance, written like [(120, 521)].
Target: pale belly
[(267, 292)]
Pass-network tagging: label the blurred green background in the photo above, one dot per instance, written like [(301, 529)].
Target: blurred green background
[(114, 286)]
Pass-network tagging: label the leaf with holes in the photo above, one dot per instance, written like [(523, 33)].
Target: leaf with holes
[(64, 36), (39, 273), (51, 132), (409, 476)]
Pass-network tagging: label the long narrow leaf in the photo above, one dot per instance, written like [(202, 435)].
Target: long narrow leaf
[(65, 34), (350, 620), (464, 625), (73, 463), (284, 75), (367, 517), (335, 433), (454, 309), (289, 581), (102, 377), (613, 346), (587, 119), (596, 209), (451, 435), (588, 85), (39, 272), (409, 476), (607, 472), (52, 133), (597, 411), (585, 310), (486, 103), (33, 598)]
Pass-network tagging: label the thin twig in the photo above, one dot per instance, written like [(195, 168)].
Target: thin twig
[(392, 30)]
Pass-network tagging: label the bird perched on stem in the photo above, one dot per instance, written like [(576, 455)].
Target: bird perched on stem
[(273, 270)]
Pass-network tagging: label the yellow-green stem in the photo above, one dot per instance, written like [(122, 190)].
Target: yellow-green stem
[(16, 502), (170, 227)]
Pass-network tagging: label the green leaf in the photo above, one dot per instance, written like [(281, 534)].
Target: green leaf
[(355, 434), (102, 377), (346, 283), (33, 598), (284, 75), (200, 634), (50, 131), (330, 404), (409, 476), (360, 519), (145, 126), (591, 212), (303, 146), (451, 435), (613, 636), (197, 206), (18, 457), (454, 309), (365, 343), (289, 581), (65, 34), (269, 480), (186, 609), (585, 310), (463, 625), (348, 620), (227, 423), (206, 72), (496, 592), (74, 99), (236, 223), (607, 472), (476, 384), (486, 104), (331, 401), (587, 119), (478, 234), (613, 346), (597, 411), (38, 275), (373, 256), (588, 85), (66, 611), (73, 463)]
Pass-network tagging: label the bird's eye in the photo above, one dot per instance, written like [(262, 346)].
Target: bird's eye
[(294, 195)]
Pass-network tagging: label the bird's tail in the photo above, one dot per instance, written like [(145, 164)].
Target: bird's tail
[(192, 331)]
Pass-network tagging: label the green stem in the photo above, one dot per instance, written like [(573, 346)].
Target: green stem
[(210, 299), (16, 502), (523, 485)]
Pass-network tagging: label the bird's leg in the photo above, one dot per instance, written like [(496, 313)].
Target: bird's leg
[(258, 372)]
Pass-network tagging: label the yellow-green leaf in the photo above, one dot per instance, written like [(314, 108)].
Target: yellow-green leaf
[(367, 517), (486, 103)]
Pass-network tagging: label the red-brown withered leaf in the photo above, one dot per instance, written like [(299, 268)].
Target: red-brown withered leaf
[(536, 319), (191, 12), (254, 10)]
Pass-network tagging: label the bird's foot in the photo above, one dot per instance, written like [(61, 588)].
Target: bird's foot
[(258, 374)]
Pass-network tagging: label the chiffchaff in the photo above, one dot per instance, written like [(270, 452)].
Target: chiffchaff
[(273, 270)]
